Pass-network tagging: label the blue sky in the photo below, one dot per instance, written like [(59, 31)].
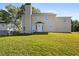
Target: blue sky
[(61, 9)]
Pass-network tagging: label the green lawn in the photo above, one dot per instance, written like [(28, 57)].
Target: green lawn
[(52, 44)]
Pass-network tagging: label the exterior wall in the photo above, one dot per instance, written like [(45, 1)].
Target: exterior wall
[(63, 24), (26, 19), (48, 25), (11, 27), (53, 24), (23, 23), (6, 28), (3, 29), (3, 26)]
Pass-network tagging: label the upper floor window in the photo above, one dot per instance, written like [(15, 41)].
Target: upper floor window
[(46, 17), (65, 21)]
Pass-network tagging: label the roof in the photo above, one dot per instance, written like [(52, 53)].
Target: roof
[(64, 17), (43, 14)]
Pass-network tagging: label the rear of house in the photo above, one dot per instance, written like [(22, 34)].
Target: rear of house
[(44, 22), (39, 22), (47, 22)]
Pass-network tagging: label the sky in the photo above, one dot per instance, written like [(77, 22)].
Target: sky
[(61, 9)]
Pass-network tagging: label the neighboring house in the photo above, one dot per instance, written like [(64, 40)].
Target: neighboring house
[(7, 28), (3, 28), (43, 22), (11, 27)]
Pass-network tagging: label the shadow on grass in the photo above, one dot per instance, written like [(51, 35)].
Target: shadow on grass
[(24, 34)]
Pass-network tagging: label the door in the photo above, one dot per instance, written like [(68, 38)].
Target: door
[(39, 27)]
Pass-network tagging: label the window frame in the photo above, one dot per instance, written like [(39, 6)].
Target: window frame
[(46, 17), (65, 21)]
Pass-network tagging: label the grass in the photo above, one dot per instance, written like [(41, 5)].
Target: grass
[(52, 44)]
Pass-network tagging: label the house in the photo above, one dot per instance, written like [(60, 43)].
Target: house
[(37, 22), (3, 28), (43, 22), (7, 28)]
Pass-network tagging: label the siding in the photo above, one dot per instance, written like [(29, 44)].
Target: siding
[(3, 32)]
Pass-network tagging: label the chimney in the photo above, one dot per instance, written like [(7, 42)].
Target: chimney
[(27, 19)]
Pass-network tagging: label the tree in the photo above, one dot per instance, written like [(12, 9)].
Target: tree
[(75, 25), (34, 10), (14, 15), (5, 16)]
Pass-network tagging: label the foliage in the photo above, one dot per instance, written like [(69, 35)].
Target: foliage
[(5, 16), (13, 11), (13, 14), (34, 10), (75, 25)]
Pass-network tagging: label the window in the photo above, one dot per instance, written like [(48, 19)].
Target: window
[(46, 17), (65, 21)]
